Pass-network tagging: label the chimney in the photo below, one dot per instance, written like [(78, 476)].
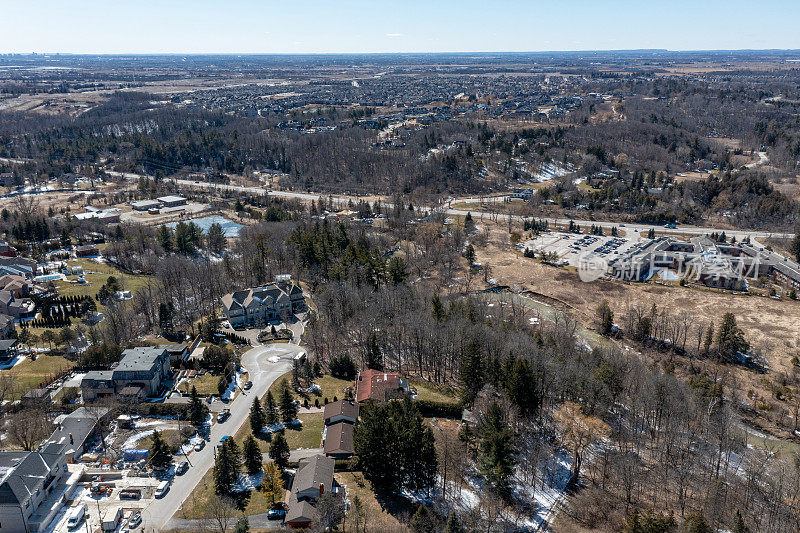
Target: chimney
[(321, 489), (71, 440)]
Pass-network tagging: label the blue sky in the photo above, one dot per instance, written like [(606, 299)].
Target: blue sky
[(338, 26)]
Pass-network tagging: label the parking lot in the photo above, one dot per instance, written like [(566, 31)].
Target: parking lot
[(569, 248)]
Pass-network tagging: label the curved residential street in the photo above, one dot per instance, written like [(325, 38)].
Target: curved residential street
[(265, 364)]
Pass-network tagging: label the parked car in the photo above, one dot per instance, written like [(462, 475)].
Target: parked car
[(135, 520), (162, 489), (199, 446), (248, 385), (182, 468), (276, 513), (223, 416)]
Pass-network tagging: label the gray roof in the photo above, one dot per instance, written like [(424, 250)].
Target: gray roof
[(313, 472), (22, 473), (7, 344), (171, 198), (301, 511), (80, 424), (140, 359)]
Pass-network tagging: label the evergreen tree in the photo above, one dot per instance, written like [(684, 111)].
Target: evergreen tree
[(738, 524), (252, 455), (257, 418), (521, 387), (471, 373), (242, 525), (697, 523), (438, 311), (197, 411), (453, 525), (160, 455), (215, 238), (226, 467), (374, 357), (496, 448), (343, 367), (270, 409), (279, 450), (287, 404), (730, 338), (605, 318)]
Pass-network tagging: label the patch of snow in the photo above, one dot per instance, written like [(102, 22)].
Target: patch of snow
[(246, 482)]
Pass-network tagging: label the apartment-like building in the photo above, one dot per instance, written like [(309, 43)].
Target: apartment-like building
[(260, 305)]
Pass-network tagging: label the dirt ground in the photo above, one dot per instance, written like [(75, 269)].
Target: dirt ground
[(771, 326)]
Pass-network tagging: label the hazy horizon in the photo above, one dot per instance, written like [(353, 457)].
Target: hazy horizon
[(359, 27)]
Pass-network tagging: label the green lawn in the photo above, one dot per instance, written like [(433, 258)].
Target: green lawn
[(205, 384), (309, 435), (96, 275), (197, 502), (433, 392), (30, 374)]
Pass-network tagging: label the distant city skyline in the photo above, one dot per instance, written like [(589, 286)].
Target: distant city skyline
[(413, 26)]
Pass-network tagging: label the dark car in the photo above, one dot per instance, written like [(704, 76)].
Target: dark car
[(248, 385), (182, 468)]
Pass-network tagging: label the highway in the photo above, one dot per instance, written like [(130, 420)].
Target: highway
[(263, 373), (585, 224)]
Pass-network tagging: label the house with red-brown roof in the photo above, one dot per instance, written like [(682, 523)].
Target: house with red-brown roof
[(379, 386)]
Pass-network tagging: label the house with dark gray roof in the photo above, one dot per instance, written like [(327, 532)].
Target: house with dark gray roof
[(79, 428), (314, 477), (140, 373), (26, 480), (260, 305)]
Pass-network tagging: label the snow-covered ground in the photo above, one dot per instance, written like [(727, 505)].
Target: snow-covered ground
[(247, 482), (278, 426)]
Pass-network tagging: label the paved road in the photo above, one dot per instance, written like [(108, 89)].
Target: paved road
[(263, 373)]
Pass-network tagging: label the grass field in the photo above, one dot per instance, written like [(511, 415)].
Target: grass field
[(433, 392), (329, 387), (378, 517), (195, 505), (205, 384), (30, 374), (309, 435), (96, 274)]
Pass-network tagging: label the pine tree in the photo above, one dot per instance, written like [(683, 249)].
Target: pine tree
[(287, 405), (605, 318), (496, 448), (160, 455), (471, 372), (270, 409), (374, 357), (197, 411), (738, 524), (252, 455), (521, 387), (453, 525), (257, 418), (279, 450)]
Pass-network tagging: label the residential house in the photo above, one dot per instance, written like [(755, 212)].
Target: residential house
[(21, 266), (18, 285), (6, 250), (79, 428), (16, 307), (140, 373), (377, 386), (260, 305), (27, 479), (8, 350), (87, 250), (341, 411), (314, 477), (6, 326), (177, 352), (337, 440)]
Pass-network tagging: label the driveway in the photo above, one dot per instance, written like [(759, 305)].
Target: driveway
[(263, 373)]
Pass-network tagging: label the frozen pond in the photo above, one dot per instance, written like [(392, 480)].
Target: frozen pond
[(229, 227)]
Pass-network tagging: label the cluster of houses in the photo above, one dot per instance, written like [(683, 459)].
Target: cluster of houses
[(315, 475)]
